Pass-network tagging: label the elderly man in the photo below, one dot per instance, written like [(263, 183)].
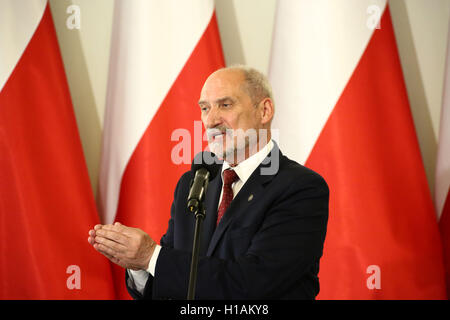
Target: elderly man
[(266, 215)]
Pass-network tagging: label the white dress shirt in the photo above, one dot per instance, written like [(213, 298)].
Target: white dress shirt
[(244, 170)]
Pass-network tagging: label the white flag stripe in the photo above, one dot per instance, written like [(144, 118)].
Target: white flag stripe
[(18, 22), (152, 40), (324, 27), (443, 157)]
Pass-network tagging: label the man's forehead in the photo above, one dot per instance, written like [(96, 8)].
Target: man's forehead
[(223, 82), (231, 73)]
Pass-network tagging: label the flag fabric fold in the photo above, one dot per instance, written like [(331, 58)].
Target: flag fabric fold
[(442, 186), (46, 201), (343, 111), (161, 53)]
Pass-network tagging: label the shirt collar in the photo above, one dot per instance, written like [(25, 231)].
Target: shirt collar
[(245, 169)]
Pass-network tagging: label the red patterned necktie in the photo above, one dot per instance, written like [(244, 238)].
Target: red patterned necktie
[(229, 176)]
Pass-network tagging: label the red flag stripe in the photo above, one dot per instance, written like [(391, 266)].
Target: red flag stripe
[(46, 202), (381, 212)]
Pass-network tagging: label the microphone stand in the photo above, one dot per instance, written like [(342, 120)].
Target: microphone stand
[(199, 216)]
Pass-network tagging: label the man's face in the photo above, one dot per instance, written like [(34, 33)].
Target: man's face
[(228, 112)]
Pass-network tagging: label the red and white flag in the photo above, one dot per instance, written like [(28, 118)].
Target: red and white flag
[(161, 54), (46, 201), (442, 187), (342, 110)]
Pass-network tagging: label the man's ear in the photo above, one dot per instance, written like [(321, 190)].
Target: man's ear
[(267, 110)]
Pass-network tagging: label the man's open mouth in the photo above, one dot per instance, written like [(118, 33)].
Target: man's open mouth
[(216, 134)]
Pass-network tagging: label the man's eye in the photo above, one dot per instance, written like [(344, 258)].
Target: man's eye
[(204, 109), (226, 105)]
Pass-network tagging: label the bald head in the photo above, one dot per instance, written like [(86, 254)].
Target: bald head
[(253, 82)]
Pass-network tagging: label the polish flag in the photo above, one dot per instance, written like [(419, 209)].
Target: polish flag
[(342, 110), (46, 201), (442, 187), (161, 54)]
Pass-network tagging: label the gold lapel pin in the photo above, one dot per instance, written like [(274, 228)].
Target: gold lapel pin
[(250, 197)]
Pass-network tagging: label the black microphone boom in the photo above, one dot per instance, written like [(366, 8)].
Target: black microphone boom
[(203, 173), (198, 189)]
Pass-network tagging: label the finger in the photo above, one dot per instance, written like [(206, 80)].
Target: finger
[(120, 228), (105, 250), (111, 257), (131, 232), (91, 240), (114, 259), (97, 226), (128, 232), (115, 246), (113, 236)]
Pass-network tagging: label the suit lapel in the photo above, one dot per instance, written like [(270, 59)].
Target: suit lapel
[(245, 199)]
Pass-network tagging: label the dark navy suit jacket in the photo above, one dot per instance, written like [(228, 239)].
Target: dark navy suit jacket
[(267, 246)]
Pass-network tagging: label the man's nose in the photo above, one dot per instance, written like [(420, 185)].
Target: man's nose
[(213, 119)]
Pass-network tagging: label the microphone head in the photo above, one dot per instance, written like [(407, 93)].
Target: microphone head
[(207, 160)]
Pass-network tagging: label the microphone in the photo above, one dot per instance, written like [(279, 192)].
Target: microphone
[(204, 171)]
